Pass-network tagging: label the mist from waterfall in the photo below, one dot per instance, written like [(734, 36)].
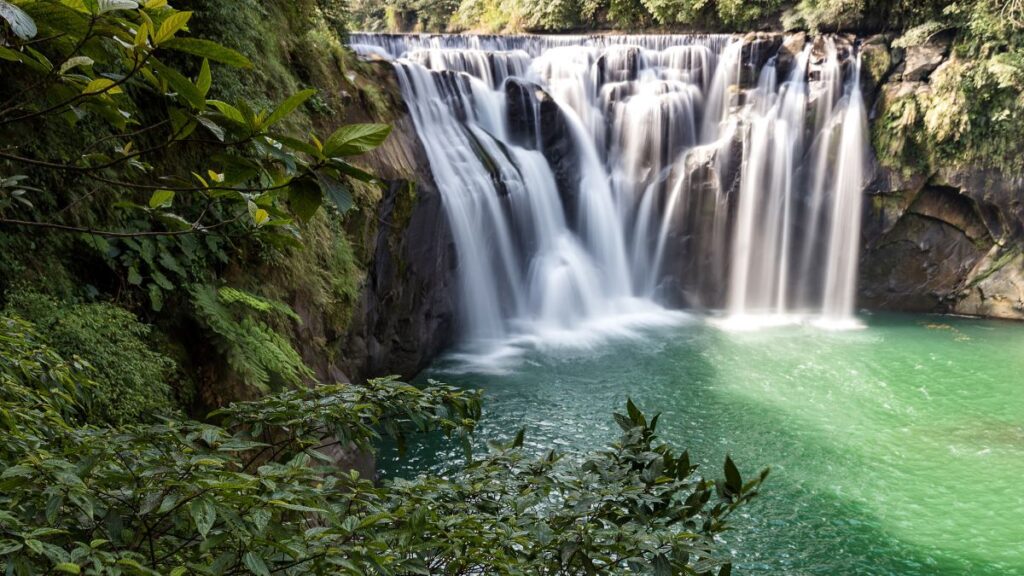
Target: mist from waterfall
[(592, 183)]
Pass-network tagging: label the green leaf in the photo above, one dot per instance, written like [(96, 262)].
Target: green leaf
[(203, 514), (205, 79), (21, 23), (208, 49), (304, 197), (229, 111), (53, 506), (517, 442), (111, 5), (161, 199), (288, 106), (336, 191), (635, 415), (356, 139), (662, 567), (156, 298), (733, 480), (357, 173), (569, 550), (71, 63), (162, 281), (185, 88), (296, 144), (11, 55), (171, 26), (101, 86), (68, 568), (260, 217), (255, 564)]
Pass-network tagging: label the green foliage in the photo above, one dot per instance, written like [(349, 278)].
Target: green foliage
[(237, 323), (258, 492), (1004, 17), (130, 379), (40, 391), (123, 70), (401, 15), (824, 15), (331, 275), (972, 112)]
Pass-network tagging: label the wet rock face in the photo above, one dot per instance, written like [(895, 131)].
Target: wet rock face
[(758, 48), (921, 262), (996, 287), (947, 242), (559, 148), (537, 122), (407, 311), (522, 112), (618, 65)]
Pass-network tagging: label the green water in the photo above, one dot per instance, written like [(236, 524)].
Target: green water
[(897, 449)]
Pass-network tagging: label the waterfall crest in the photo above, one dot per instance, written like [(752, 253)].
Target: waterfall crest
[(590, 180)]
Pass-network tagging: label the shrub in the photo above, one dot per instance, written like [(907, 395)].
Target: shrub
[(130, 378), (257, 494)]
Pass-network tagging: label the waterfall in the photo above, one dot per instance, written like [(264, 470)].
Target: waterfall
[(595, 180)]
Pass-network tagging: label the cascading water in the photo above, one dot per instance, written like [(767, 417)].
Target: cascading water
[(589, 177)]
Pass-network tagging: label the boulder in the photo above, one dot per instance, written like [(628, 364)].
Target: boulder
[(995, 287), (792, 45), (620, 64), (758, 48), (920, 61)]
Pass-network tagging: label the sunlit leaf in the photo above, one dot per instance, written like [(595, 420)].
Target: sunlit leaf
[(171, 26), (161, 199), (101, 86), (356, 139)]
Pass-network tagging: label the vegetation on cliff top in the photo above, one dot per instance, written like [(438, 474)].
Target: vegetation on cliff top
[(632, 15), (971, 112)]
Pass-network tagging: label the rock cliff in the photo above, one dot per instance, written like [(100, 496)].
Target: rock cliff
[(936, 239)]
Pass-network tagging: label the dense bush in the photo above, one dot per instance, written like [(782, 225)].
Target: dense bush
[(258, 494), (130, 380)]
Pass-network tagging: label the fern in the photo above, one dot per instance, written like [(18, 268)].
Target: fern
[(255, 352), (235, 296)]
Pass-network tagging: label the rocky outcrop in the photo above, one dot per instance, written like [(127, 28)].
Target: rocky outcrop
[(920, 61), (406, 314), (942, 240), (537, 122)]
